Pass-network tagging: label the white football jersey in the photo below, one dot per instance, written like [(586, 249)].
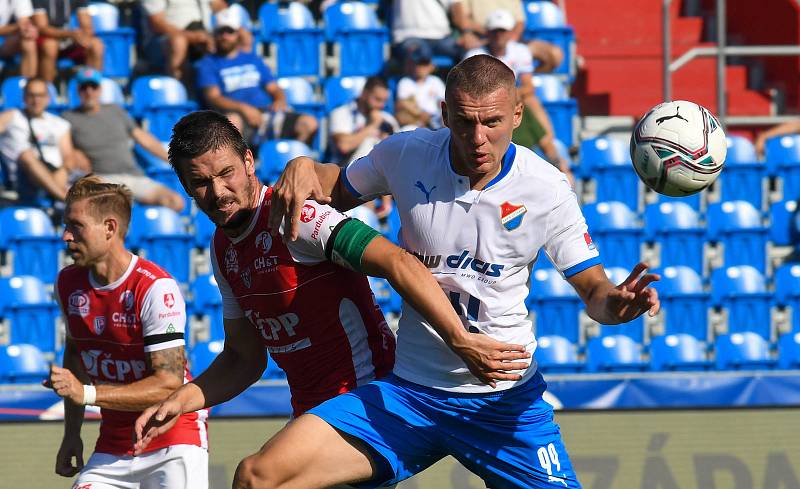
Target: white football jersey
[(480, 245)]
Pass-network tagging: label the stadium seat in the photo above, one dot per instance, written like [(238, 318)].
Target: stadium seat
[(297, 40), (789, 351), (22, 363), (203, 231), (684, 304), (632, 329), (783, 161), (203, 354), (162, 236), (550, 88), (556, 354), (207, 301), (119, 41), (30, 310), (615, 230), (545, 21), (110, 93), (301, 95), (614, 353), (678, 352), (28, 235), (607, 161), (386, 297), (239, 13), (160, 101), (785, 224), (675, 227), (342, 90), (12, 94), (274, 154), (553, 94), (556, 304), (737, 225), (787, 291), (742, 292), (743, 177), (391, 228), (360, 42), (743, 351)]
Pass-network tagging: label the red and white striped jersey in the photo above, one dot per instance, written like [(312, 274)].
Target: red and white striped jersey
[(318, 320), (113, 327)]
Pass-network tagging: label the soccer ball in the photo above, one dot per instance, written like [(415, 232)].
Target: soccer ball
[(678, 148)]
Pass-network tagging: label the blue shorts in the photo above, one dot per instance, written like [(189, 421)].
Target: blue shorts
[(507, 438)]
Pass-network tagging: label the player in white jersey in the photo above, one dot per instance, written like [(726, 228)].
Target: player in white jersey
[(477, 210)]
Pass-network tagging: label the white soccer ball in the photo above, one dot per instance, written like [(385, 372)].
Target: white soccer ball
[(678, 148)]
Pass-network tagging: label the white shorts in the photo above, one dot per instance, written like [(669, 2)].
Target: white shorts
[(175, 467)]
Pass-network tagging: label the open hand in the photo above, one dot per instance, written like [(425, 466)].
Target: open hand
[(633, 297), (154, 422), (297, 183)]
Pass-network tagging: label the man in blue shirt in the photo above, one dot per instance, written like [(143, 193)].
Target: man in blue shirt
[(241, 85)]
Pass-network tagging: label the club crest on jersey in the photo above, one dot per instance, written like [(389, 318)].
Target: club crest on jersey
[(78, 304), (511, 215), (264, 242), (247, 277), (99, 325), (169, 300), (589, 243), (308, 213), (231, 260), (126, 299)]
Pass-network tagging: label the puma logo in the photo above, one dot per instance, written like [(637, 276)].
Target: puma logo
[(668, 117), (427, 193)]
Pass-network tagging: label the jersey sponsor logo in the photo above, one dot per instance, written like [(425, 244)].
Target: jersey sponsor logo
[(170, 314), (271, 327), (169, 300), (99, 325), (297, 345), (429, 261), (589, 243), (247, 277), (421, 187), (99, 364), (511, 215), (318, 224), (123, 319), (171, 328), (231, 260), (308, 213), (126, 299), (146, 273), (264, 242), (88, 485), (264, 264), (78, 304), (464, 262)]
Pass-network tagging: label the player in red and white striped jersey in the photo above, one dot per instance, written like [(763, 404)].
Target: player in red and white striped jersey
[(125, 320)]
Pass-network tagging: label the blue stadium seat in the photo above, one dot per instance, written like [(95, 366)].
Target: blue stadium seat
[(783, 161), (301, 95), (110, 93), (297, 40), (342, 90), (545, 21), (12, 94), (274, 154), (552, 91), (160, 101), (737, 225), (556, 354), (21, 363), (385, 295), (550, 88), (360, 41), (632, 329), (785, 223), (614, 353), (557, 305), (742, 291), (615, 230), (239, 12), (203, 231), (789, 351), (608, 161), (161, 234), (28, 234), (787, 290), (203, 354), (119, 41), (743, 178), (30, 310), (684, 304), (675, 227), (678, 352), (743, 351), (391, 227), (207, 301)]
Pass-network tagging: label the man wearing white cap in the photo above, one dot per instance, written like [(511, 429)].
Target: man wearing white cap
[(241, 85)]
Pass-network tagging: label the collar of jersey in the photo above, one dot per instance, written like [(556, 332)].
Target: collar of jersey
[(116, 283), (505, 165)]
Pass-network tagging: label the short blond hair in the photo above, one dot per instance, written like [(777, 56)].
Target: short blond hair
[(103, 198)]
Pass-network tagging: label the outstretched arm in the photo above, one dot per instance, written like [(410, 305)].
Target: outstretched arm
[(607, 303)]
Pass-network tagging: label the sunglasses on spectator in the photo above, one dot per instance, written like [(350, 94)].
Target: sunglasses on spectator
[(225, 30), (92, 85)]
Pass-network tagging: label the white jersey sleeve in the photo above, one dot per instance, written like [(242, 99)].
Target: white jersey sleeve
[(230, 307), (567, 240), (365, 178), (317, 223), (163, 316)]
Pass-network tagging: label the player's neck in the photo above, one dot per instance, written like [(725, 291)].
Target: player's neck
[(111, 267), (477, 181)]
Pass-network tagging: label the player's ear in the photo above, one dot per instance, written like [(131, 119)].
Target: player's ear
[(444, 114), (110, 227), (249, 163)]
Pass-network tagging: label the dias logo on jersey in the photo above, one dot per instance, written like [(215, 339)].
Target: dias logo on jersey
[(308, 213), (464, 261), (511, 215), (78, 304)]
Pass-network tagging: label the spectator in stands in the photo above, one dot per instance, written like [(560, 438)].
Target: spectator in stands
[(547, 55), (241, 85), (58, 40), (103, 136), (18, 37), (223, 8), (535, 129), (359, 125), (427, 22), (421, 87), (789, 127), (36, 147), (177, 32)]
